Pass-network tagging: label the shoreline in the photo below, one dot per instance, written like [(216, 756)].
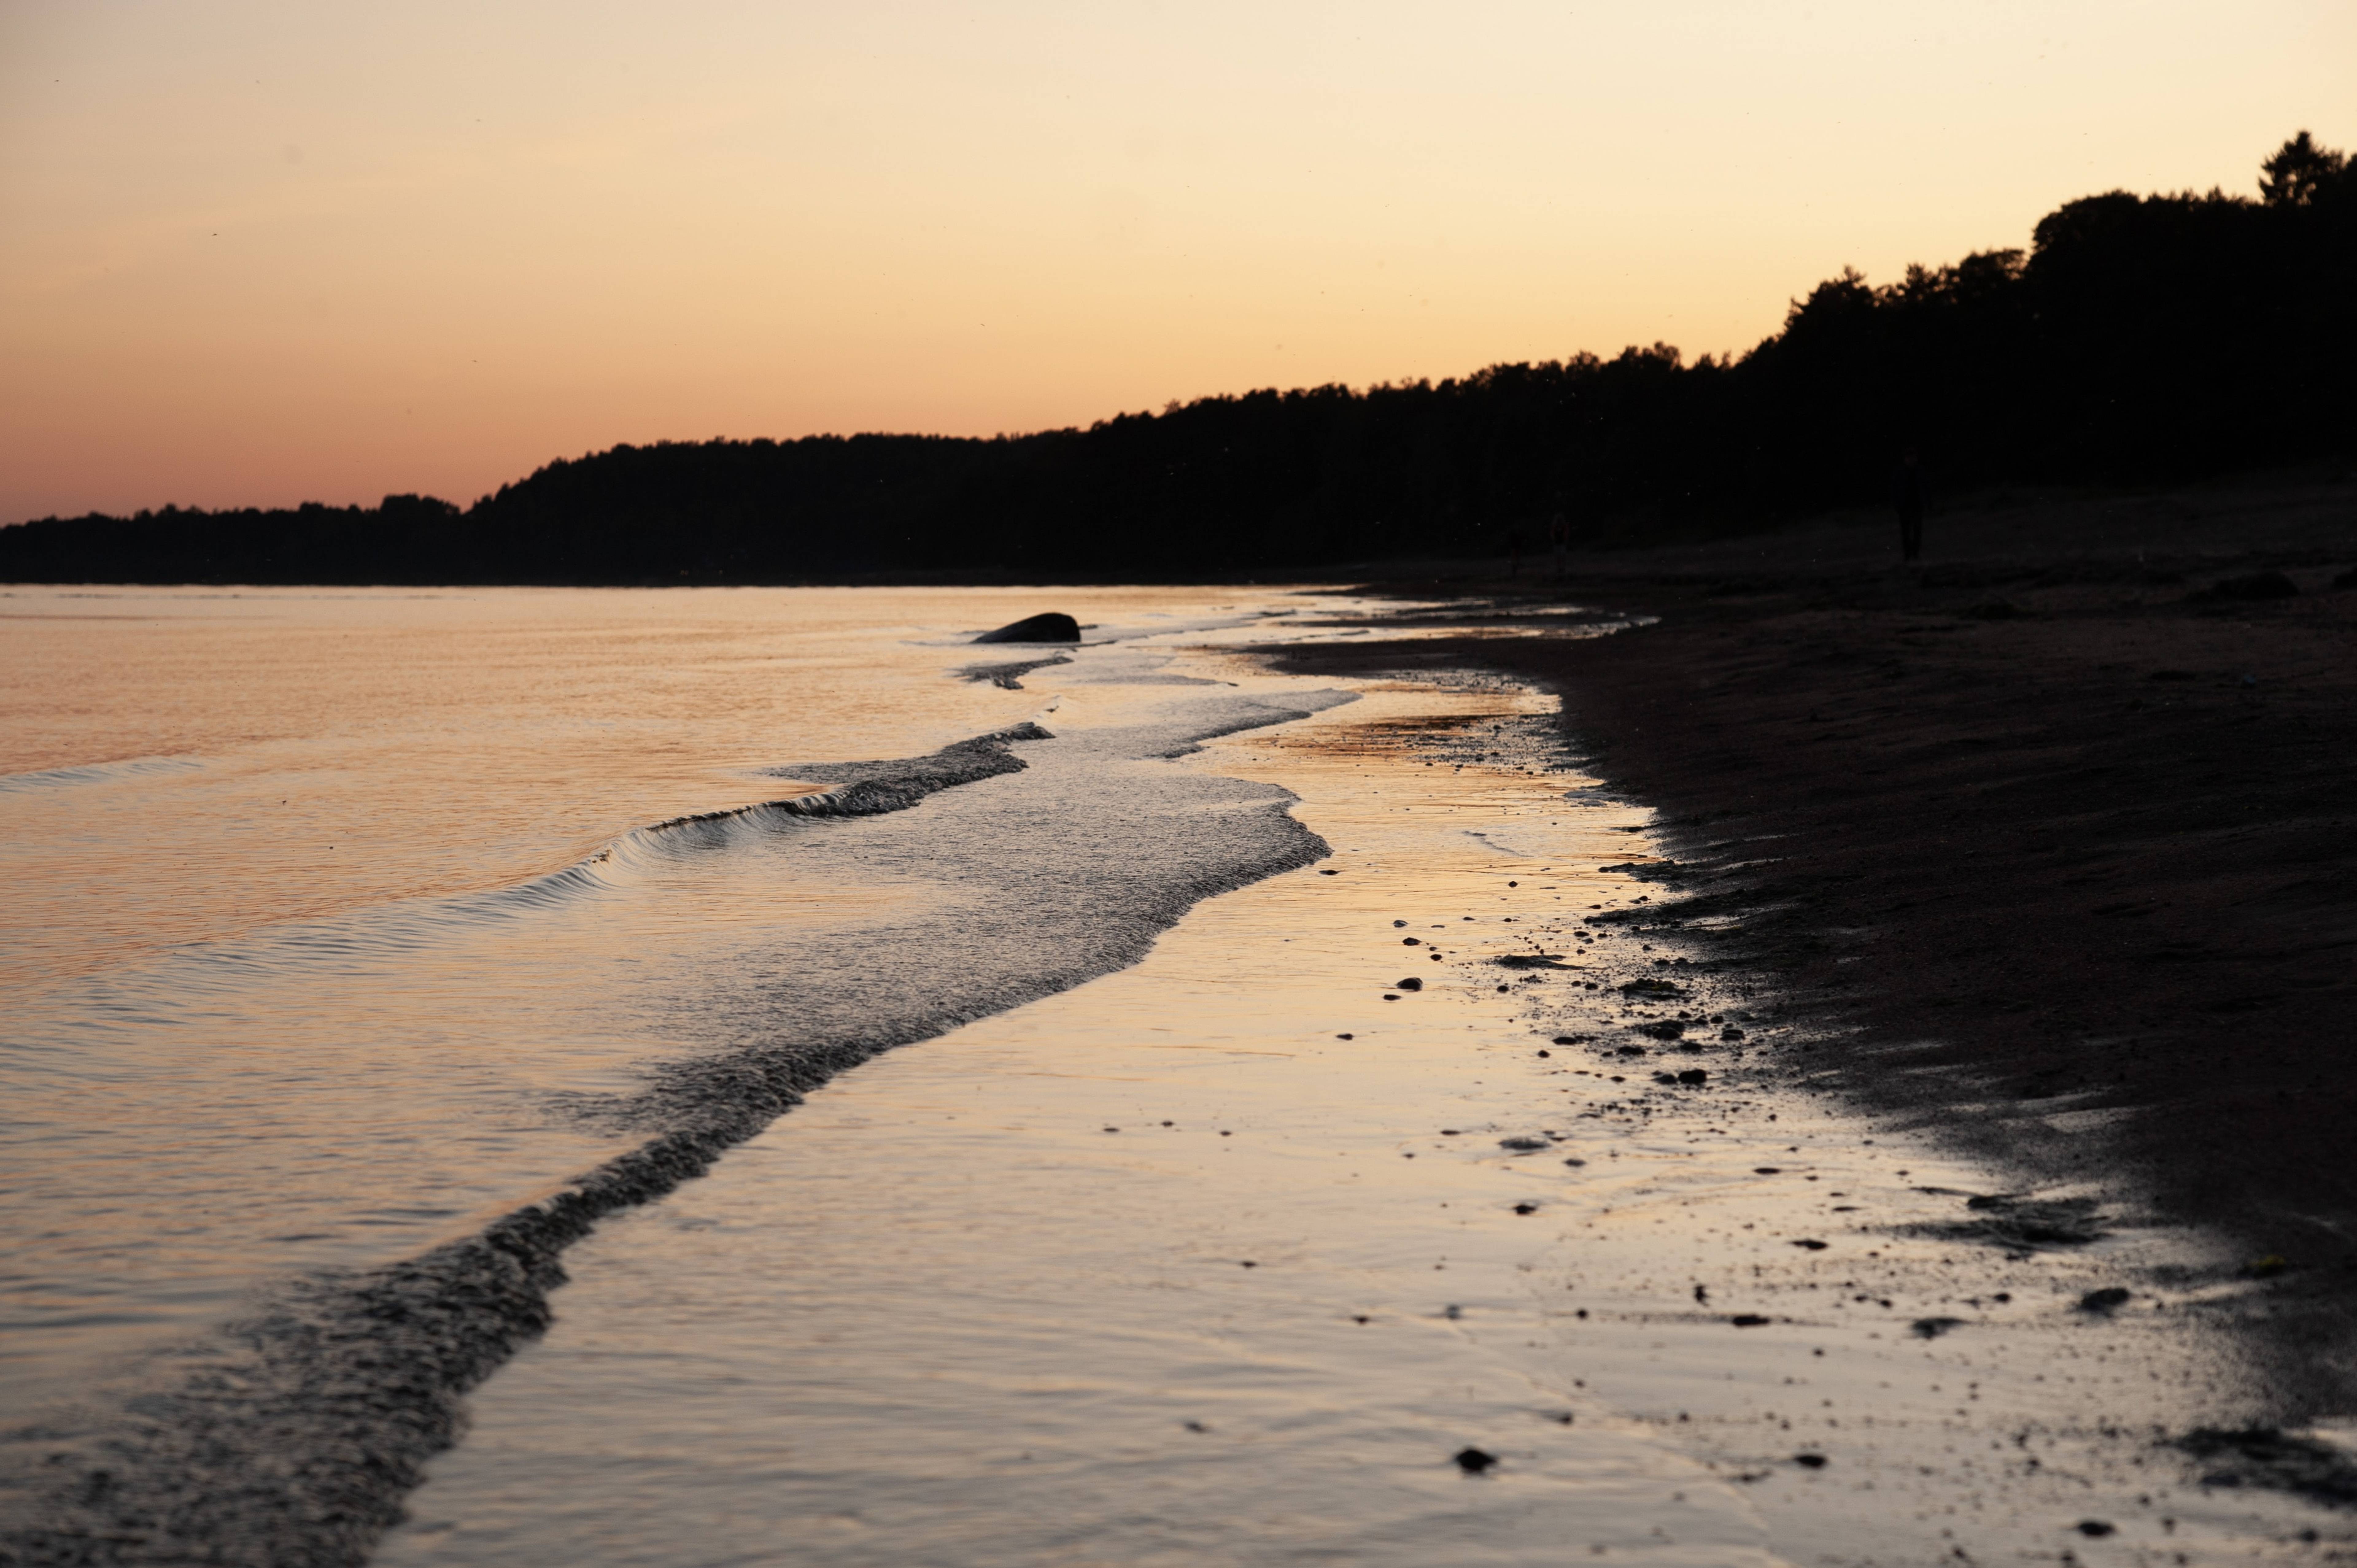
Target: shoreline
[(2067, 878)]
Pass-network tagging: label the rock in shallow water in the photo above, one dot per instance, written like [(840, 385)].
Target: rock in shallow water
[(1052, 627)]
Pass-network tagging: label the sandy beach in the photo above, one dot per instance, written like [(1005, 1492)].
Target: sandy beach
[(2050, 835)]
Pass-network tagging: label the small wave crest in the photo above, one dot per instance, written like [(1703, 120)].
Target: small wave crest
[(96, 773)]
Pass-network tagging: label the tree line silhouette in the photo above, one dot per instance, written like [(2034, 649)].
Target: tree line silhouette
[(2139, 340)]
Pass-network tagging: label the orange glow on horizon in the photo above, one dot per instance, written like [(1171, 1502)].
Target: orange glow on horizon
[(260, 252)]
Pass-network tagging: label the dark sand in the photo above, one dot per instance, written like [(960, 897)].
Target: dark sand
[(2032, 827)]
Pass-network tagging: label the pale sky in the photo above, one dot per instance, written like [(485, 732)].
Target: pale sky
[(259, 252)]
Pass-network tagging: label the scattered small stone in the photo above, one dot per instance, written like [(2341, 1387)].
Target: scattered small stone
[(1932, 1327), (1411, 942), (1567, 1040), (1666, 1029), (1767, 1170), (1250, 1264), (1323, 873), (1810, 1243), (1546, 1053), (1391, 995), (1196, 1426), (1526, 1208), (1473, 1461), (2095, 1528), (1521, 1143), (1748, 1320), (1813, 1461), (1694, 1075), (1575, 1160), (1399, 922), (1411, 983), (2111, 1298), (1730, 1033), (1346, 1037), (1113, 1129)]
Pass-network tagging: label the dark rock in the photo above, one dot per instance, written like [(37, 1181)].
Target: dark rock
[(1411, 983), (1411, 942), (1473, 1461), (1811, 1244), (1666, 1029), (1748, 1320), (1526, 1208), (2094, 1528), (1661, 988), (1532, 961), (1522, 1145), (1694, 1075), (1813, 1461), (1932, 1327), (1730, 1033), (1052, 627), (2111, 1298)]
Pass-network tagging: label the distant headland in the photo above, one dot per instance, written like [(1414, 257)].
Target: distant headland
[(2139, 340)]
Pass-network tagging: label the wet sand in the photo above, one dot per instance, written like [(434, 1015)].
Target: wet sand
[(2051, 843), (1423, 1205)]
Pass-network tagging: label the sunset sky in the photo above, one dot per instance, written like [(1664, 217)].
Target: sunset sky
[(254, 252)]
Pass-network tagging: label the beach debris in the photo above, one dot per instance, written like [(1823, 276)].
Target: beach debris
[(2263, 1456), (1932, 1327), (2021, 1223), (2108, 1300), (1053, 625), (1474, 1461)]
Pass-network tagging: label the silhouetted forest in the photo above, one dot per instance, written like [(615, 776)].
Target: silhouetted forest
[(2139, 340)]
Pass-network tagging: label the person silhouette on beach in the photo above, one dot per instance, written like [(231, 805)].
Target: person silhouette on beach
[(1907, 498)]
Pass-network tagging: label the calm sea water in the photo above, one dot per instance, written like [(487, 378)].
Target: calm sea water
[(315, 898)]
